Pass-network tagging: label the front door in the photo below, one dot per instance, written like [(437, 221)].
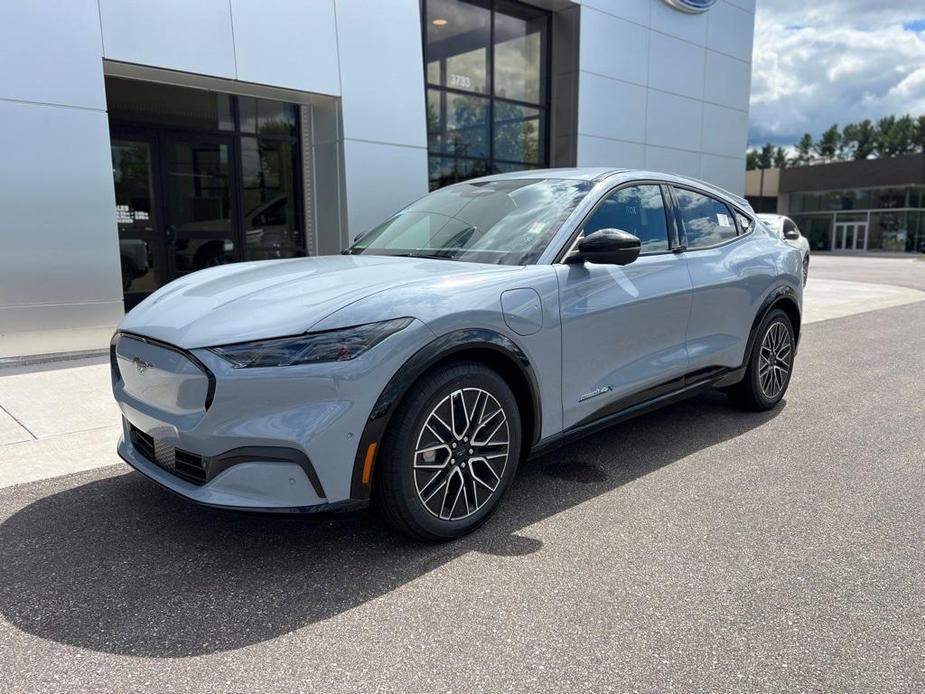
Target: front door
[(623, 327), (199, 210), (851, 236), (175, 206), (138, 216)]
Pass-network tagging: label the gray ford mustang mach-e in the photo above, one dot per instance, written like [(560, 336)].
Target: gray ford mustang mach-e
[(488, 320)]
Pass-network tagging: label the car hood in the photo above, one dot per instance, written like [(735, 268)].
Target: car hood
[(250, 301)]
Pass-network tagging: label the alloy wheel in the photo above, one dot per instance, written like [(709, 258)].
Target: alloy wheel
[(775, 359), (461, 453)]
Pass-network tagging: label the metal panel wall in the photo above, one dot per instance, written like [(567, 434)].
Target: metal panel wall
[(682, 83), (60, 288)]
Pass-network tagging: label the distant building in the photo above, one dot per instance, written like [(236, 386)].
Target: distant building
[(860, 206), (761, 189)]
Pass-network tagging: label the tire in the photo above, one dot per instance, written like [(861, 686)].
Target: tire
[(805, 270), (774, 344), (422, 487)]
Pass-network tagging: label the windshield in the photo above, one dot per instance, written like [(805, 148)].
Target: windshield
[(507, 222)]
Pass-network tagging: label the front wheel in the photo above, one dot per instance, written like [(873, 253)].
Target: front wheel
[(769, 366), (451, 455)]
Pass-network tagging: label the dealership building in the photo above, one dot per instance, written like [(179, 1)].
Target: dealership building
[(865, 206), (145, 140)]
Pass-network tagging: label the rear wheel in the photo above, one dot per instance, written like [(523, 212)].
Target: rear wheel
[(769, 366), (451, 455)]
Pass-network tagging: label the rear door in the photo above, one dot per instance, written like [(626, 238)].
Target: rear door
[(727, 278), (624, 327)]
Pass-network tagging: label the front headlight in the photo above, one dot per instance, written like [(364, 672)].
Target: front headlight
[(311, 348)]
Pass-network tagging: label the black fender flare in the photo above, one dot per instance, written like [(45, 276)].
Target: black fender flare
[(435, 351), (774, 297)]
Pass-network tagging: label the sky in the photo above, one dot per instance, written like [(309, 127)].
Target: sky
[(819, 62)]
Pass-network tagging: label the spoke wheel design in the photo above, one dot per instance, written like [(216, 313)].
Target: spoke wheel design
[(775, 360), (461, 453)]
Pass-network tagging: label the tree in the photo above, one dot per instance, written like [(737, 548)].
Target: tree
[(828, 143), (766, 157), (904, 136), (752, 161), (858, 139), (804, 149), (882, 136), (780, 158), (918, 138)]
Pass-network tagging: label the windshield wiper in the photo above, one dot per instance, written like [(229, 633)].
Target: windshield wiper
[(435, 256)]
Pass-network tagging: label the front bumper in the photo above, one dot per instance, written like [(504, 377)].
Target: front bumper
[(273, 439), (252, 478)]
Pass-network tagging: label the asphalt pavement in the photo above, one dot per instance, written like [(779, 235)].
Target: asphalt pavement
[(698, 548)]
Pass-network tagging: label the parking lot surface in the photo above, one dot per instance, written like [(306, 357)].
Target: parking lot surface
[(694, 549)]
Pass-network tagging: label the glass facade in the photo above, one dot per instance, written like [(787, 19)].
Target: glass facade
[(487, 91), (863, 219)]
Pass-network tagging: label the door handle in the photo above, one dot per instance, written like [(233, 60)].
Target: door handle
[(170, 234)]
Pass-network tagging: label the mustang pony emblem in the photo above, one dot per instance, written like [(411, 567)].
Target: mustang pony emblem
[(141, 364)]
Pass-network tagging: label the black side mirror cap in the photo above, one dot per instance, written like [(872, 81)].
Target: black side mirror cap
[(607, 247)]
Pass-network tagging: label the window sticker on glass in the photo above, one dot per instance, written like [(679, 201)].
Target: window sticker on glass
[(723, 219)]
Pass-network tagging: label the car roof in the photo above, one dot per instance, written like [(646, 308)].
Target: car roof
[(598, 174)]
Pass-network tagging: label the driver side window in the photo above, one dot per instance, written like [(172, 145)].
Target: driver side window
[(639, 210)]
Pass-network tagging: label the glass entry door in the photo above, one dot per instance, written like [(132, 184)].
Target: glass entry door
[(201, 179), (200, 216), (176, 206), (850, 236), (138, 217)]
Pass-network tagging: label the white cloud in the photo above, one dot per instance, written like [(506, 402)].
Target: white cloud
[(825, 62)]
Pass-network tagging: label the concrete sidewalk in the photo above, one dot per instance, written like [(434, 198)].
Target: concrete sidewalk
[(60, 418), (56, 419)]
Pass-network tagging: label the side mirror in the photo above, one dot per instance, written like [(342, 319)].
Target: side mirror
[(607, 247), (791, 234)]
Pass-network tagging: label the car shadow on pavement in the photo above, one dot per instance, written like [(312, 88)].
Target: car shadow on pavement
[(121, 566)]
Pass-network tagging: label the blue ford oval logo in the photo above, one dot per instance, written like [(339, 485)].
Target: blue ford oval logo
[(692, 6)]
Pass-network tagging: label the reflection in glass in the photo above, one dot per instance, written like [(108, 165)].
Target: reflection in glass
[(458, 33), (199, 196), (519, 60), (518, 133), (271, 221), (506, 127), (135, 214), (198, 186), (266, 116), (639, 210), (506, 222), (131, 173), (707, 221), (459, 128), (447, 170)]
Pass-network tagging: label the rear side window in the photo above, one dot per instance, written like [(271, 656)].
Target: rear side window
[(639, 210), (746, 223), (707, 221)]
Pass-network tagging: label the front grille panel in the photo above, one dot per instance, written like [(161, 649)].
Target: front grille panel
[(185, 465)]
